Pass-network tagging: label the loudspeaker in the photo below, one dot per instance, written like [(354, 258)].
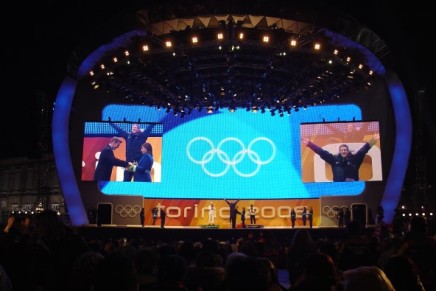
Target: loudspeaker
[(104, 213)]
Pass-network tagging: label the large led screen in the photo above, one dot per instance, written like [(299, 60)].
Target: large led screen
[(98, 135), (341, 152), (240, 154)]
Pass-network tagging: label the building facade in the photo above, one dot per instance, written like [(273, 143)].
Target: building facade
[(29, 185)]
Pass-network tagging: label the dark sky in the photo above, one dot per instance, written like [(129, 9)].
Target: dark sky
[(43, 37)]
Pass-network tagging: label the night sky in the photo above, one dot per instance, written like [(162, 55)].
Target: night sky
[(42, 38)]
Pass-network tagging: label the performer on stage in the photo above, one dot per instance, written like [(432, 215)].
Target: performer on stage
[(212, 214), (304, 216), (293, 217), (310, 216), (163, 214), (243, 217), (142, 216), (154, 213), (252, 213), (233, 213)]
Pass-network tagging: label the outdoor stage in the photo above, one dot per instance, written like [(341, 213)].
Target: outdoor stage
[(170, 233)]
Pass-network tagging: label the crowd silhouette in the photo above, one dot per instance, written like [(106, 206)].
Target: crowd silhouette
[(44, 254)]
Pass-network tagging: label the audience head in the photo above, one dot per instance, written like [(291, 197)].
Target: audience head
[(366, 278), (49, 227), (302, 239), (84, 271), (402, 273), (172, 269), (116, 272), (247, 273), (320, 265), (354, 228), (146, 260), (319, 274)]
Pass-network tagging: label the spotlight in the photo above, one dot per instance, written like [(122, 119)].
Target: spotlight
[(265, 38)]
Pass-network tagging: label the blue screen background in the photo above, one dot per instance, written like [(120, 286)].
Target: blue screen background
[(193, 166)]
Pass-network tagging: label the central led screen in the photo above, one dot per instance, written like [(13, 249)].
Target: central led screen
[(243, 155)]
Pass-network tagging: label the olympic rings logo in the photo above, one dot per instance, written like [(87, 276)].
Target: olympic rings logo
[(332, 211), (128, 210), (226, 159)]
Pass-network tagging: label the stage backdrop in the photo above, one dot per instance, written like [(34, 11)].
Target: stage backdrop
[(194, 213), (240, 155)]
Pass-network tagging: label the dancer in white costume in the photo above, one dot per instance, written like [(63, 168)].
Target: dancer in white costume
[(212, 214)]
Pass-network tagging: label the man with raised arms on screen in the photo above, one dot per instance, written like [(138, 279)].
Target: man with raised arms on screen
[(345, 165), (134, 140)]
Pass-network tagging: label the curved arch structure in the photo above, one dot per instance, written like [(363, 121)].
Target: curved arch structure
[(281, 84)]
